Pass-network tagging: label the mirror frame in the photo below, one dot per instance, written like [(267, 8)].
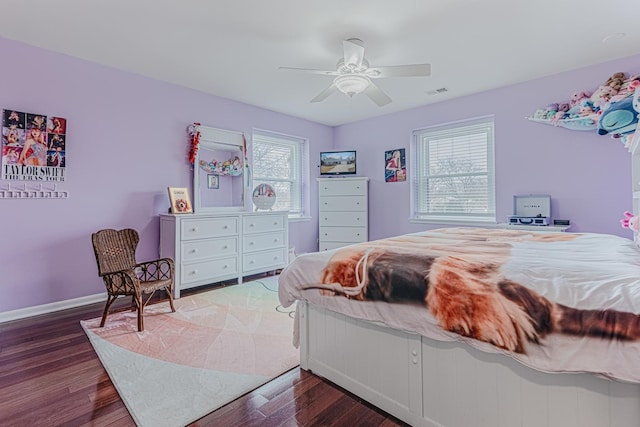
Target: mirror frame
[(216, 139)]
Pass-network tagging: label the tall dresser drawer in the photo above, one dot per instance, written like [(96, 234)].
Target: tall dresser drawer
[(197, 271), (343, 203), (261, 223), (193, 250), (209, 227), (343, 234), (257, 242), (343, 219), (259, 260), (342, 188)]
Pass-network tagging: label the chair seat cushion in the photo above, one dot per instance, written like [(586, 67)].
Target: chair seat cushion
[(154, 285)]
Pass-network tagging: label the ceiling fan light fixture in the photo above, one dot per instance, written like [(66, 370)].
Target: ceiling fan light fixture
[(352, 84)]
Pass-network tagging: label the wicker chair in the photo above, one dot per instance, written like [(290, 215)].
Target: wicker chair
[(115, 254)]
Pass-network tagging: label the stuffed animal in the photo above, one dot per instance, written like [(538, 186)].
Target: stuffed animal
[(618, 119), (630, 221), (616, 80), (627, 88), (577, 97), (602, 96)]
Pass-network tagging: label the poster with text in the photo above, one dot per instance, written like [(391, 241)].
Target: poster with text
[(395, 165), (33, 146)]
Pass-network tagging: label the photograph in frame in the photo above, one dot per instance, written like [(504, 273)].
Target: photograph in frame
[(213, 181), (180, 200)]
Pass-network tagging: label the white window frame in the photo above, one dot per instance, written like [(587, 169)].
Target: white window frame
[(458, 134), (298, 172)]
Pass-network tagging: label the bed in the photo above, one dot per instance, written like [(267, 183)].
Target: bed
[(476, 327)]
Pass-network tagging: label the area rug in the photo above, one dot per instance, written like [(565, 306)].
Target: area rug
[(217, 346)]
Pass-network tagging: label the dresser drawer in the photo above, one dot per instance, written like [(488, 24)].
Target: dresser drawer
[(260, 223), (258, 242), (261, 260), (208, 270), (327, 246), (343, 219), (343, 203), (340, 187), (343, 234), (193, 250), (208, 227)]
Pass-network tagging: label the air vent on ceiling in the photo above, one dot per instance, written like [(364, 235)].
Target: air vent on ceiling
[(437, 91)]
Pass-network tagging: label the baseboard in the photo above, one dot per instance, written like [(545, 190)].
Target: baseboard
[(23, 313)]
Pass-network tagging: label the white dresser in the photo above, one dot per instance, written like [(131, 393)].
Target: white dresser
[(343, 211), (209, 248)]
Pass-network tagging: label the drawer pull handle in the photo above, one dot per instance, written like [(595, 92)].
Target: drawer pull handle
[(225, 227), (251, 262), (225, 247), (193, 251), (251, 225), (275, 223), (275, 257), (194, 229), (194, 272), (225, 266), (275, 240), (250, 243)]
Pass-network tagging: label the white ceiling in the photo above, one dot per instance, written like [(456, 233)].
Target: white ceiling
[(233, 48)]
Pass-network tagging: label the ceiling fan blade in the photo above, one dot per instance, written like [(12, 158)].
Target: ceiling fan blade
[(414, 70), (325, 93), (353, 52), (377, 95), (309, 70)]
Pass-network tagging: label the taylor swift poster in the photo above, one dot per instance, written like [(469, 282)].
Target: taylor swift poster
[(395, 165), (33, 146)]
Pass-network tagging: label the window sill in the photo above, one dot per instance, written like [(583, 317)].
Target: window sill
[(299, 218)]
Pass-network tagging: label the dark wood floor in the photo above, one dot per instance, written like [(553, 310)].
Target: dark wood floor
[(50, 376)]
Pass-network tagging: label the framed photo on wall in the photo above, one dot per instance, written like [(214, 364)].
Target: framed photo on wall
[(213, 181), (180, 200)]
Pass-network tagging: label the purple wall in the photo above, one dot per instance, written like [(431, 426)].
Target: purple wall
[(126, 143), (587, 175)]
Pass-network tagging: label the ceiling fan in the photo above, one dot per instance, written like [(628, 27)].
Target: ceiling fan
[(353, 74)]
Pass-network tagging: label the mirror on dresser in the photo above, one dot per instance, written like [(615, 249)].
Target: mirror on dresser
[(218, 171)]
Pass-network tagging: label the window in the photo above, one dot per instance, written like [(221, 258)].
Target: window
[(278, 161), (454, 172)]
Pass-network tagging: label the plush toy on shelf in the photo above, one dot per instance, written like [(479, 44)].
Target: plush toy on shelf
[(631, 221)]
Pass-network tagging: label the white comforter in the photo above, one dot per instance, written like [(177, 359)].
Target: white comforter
[(585, 271)]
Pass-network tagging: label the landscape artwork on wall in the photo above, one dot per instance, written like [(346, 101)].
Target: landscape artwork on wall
[(33, 146)]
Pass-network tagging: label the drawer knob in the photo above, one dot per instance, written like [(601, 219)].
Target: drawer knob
[(275, 257), (251, 262), (225, 266), (357, 203), (250, 243), (194, 272), (275, 223), (225, 247), (251, 225), (194, 229), (275, 240), (193, 251), (225, 227)]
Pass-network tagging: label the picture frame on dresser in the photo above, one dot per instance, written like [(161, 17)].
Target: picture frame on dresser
[(179, 200)]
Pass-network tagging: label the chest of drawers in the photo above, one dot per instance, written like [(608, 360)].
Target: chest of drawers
[(209, 248), (343, 211)]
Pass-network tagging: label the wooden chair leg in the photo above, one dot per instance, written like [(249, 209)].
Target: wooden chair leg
[(140, 310), (170, 294), (110, 300)]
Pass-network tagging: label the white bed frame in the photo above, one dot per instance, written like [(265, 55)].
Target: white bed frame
[(449, 384)]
